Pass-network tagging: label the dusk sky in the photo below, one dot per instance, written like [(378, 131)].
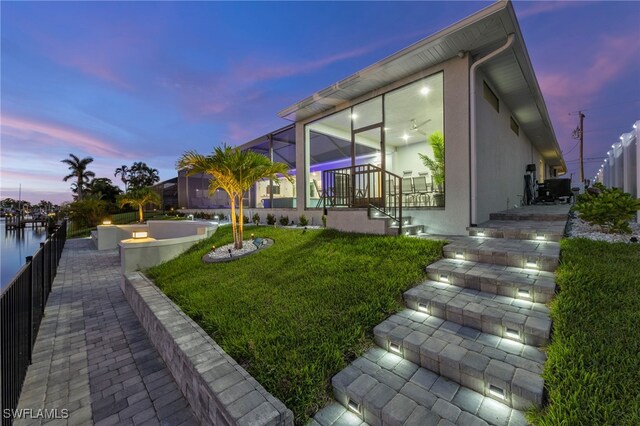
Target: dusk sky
[(144, 81)]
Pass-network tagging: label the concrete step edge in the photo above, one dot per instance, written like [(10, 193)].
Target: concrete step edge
[(506, 317), (383, 388), (496, 368)]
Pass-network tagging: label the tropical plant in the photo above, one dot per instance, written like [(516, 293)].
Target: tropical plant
[(256, 219), (609, 208), (435, 164), (103, 186), (138, 198), (284, 220), (123, 171), (138, 175), (79, 172), (271, 219), (86, 213), (303, 221), (233, 171)]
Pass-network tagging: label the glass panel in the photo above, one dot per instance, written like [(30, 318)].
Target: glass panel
[(254, 198), (284, 151), (414, 141), (368, 148), (367, 113), (327, 146)]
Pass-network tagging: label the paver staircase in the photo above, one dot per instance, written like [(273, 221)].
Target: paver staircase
[(466, 349)]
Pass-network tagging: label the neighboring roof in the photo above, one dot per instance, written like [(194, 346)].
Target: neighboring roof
[(511, 74)]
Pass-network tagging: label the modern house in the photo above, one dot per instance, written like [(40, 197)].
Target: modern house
[(369, 146)]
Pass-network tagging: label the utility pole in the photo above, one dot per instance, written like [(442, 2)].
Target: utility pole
[(581, 146), (578, 133)]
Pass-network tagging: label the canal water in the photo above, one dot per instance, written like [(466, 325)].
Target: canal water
[(15, 245)]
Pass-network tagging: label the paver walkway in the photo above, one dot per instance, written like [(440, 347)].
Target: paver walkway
[(92, 357)]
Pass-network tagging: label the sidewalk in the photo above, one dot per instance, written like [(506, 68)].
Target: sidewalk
[(92, 357)]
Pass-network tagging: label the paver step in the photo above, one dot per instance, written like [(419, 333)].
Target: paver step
[(335, 414), (497, 368), (520, 230), (536, 216), (540, 255), (412, 229), (515, 319), (383, 388), (526, 284)]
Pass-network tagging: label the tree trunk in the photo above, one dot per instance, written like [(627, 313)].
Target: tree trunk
[(234, 225), (241, 217), (140, 213)]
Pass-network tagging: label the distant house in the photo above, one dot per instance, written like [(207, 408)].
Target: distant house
[(358, 148)]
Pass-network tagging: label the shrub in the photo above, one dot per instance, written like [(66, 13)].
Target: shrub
[(284, 220), (245, 219), (256, 219), (303, 221), (324, 221), (271, 219), (609, 208)]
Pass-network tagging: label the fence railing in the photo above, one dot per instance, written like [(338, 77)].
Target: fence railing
[(22, 305), (364, 186)]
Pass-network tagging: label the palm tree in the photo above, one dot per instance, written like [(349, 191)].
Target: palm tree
[(139, 197), (233, 171), (79, 171), (123, 172)]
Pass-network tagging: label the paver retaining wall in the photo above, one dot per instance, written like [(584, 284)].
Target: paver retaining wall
[(219, 390)]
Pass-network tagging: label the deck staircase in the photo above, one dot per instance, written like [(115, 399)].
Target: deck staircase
[(466, 350)]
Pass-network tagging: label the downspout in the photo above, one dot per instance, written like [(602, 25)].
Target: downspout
[(473, 120)]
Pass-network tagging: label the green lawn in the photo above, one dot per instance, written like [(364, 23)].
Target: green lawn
[(298, 312), (593, 367)]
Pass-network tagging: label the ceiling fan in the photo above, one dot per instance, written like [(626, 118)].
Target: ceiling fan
[(416, 126)]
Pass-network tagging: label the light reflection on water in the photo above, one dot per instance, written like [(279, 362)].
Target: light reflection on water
[(15, 245)]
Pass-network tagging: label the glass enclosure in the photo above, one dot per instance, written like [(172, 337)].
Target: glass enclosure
[(280, 147), (401, 132)]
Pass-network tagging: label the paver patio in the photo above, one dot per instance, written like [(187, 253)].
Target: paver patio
[(92, 356)]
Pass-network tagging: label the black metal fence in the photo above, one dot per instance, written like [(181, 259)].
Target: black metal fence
[(22, 305)]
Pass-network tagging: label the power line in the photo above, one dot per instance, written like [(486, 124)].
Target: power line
[(605, 106)]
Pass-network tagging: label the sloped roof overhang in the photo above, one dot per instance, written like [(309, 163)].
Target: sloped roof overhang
[(511, 74)]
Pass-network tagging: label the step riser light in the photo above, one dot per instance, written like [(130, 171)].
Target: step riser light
[(394, 347), (524, 293), (353, 406), (511, 333), (444, 278), (423, 307), (496, 391)]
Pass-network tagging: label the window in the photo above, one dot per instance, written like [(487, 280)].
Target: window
[(412, 145), (491, 97), (515, 127)]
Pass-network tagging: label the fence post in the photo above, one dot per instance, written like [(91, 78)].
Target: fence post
[(30, 297)]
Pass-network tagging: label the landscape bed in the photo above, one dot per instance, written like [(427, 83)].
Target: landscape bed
[(296, 314), (592, 372)]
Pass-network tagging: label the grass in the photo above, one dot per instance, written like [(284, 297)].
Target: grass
[(298, 312), (593, 369)]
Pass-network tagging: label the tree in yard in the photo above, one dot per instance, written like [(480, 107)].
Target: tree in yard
[(139, 197), (123, 171), (141, 175), (79, 172), (233, 171), (103, 186)]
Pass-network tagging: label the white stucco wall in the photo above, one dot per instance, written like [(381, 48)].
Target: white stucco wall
[(502, 156)]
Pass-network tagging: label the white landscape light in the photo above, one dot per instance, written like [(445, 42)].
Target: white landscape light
[(539, 236), (444, 278), (353, 406), (532, 263), (423, 307), (459, 255), (480, 233), (514, 334), (106, 222), (523, 292), (394, 347), (496, 391), (140, 234)]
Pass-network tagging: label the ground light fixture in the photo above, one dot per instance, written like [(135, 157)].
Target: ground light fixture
[(480, 233), (423, 307), (140, 234), (539, 236), (512, 333), (496, 391), (459, 255), (353, 406), (394, 347), (106, 222), (532, 263), (523, 292), (444, 278)]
